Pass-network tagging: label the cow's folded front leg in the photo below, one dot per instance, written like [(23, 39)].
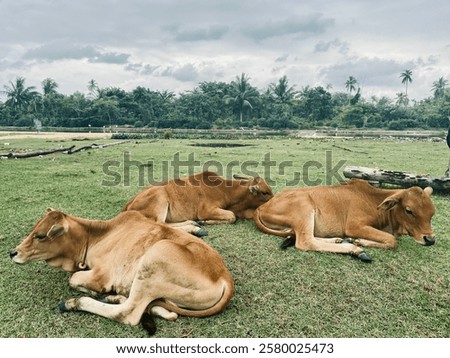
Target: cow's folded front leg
[(191, 227), (371, 237), (217, 216), (87, 282)]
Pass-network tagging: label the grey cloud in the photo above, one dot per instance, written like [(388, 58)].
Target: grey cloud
[(282, 58), (61, 51), (142, 69), (111, 58), (323, 46), (214, 32), (373, 71), (429, 61), (312, 24), (56, 51), (185, 73)]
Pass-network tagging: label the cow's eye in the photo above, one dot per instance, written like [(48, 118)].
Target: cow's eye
[(40, 236), (409, 211)]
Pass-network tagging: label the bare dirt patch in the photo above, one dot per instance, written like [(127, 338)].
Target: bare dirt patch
[(220, 145), (52, 135)]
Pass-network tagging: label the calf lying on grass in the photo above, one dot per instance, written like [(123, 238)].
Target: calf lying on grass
[(323, 218), (148, 268), (204, 197)]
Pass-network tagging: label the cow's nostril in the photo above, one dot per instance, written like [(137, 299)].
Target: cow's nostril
[(12, 253), (429, 240)]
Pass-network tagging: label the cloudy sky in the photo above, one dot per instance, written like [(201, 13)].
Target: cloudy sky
[(176, 44)]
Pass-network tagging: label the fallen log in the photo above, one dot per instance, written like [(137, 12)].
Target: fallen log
[(95, 146), (68, 150), (35, 154), (402, 179)]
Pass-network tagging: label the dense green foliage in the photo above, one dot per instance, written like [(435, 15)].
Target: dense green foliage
[(223, 105), (402, 293)]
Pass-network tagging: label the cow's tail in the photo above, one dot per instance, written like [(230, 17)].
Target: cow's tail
[(288, 232), (227, 294)]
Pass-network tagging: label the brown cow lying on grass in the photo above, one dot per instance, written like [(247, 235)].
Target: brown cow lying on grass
[(322, 218), (203, 197), (149, 268)]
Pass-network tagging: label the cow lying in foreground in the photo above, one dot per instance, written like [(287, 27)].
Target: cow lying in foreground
[(148, 268), (206, 197), (321, 218)]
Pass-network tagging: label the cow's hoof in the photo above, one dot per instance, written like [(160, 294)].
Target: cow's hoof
[(148, 323), (200, 222), (201, 233), (364, 257), (62, 307), (290, 241), (347, 240)]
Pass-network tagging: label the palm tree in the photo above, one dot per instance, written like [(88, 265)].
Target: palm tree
[(93, 88), (49, 87), (243, 94), (19, 96), (282, 92), (350, 85), (50, 94), (166, 95), (439, 88), (406, 77), (402, 99)]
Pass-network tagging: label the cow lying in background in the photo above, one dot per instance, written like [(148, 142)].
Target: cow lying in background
[(205, 197), (321, 218), (149, 268)]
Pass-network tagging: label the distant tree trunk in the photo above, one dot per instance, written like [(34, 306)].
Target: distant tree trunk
[(402, 179)]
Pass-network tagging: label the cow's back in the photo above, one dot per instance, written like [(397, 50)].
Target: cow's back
[(146, 234), (333, 204)]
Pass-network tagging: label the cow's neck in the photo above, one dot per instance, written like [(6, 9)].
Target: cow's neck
[(386, 219), (88, 233)]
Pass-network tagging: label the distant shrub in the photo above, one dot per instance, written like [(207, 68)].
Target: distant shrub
[(125, 136), (400, 124)]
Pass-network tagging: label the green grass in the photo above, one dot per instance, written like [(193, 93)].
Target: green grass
[(403, 293)]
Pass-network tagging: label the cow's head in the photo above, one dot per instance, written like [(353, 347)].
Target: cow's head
[(411, 211), (256, 192), (48, 241)]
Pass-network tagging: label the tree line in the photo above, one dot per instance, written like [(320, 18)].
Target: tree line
[(224, 105)]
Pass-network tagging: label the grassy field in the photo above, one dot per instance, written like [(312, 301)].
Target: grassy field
[(402, 293)]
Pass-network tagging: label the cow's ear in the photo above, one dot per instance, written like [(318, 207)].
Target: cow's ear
[(388, 203), (428, 191), (254, 188), (55, 230)]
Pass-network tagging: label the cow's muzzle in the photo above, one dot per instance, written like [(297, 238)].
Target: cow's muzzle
[(12, 253), (429, 240)]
